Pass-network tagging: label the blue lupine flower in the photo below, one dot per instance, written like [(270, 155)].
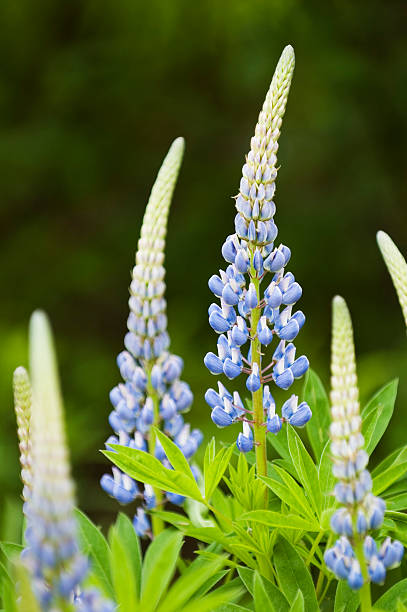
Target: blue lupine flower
[(246, 311), (152, 392), (361, 511), (141, 522), (52, 555), (90, 600), (244, 440)]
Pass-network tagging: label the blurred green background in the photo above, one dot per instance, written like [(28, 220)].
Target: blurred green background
[(91, 95)]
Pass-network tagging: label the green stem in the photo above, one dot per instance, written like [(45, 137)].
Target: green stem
[(314, 547), (156, 522), (257, 396), (365, 595)]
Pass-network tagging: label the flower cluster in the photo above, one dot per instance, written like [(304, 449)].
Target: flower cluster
[(52, 555), (246, 313), (360, 510), (152, 392)]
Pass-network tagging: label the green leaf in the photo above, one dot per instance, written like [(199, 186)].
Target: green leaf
[(9, 598), (233, 608), (377, 414), (215, 466), (214, 600), (298, 603), (326, 478), (317, 399), (174, 454), (306, 470), (191, 580), (288, 490), (262, 603), (159, 567), (128, 535), (280, 603), (121, 568), (388, 601), (346, 600), (280, 445), (147, 469), (293, 575), (93, 544), (389, 470), (279, 520), (11, 550)]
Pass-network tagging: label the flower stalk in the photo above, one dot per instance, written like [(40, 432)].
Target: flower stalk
[(151, 392), (262, 314), (355, 556)]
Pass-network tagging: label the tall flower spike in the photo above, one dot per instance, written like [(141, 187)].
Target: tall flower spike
[(152, 392), (355, 556), (262, 314), (22, 407), (52, 556), (397, 267)]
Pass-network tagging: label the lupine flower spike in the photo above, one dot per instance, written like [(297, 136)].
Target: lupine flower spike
[(152, 392), (254, 306), (355, 557), (22, 407), (397, 267), (56, 566)]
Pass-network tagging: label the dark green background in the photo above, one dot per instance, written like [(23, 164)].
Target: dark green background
[(91, 95)]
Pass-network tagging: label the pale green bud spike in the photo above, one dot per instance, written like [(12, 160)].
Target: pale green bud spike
[(50, 454), (276, 99), (257, 186), (344, 384), (22, 407), (156, 215), (147, 287), (397, 267)]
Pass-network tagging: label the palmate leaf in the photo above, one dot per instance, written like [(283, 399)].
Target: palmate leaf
[(194, 577), (377, 414), (147, 469), (389, 470), (293, 575), (274, 594), (215, 465), (231, 543), (174, 455), (306, 470), (279, 520), (212, 601), (318, 427), (289, 491)]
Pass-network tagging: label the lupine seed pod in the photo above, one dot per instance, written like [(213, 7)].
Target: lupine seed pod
[(397, 267), (22, 407), (262, 315), (152, 392), (354, 557), (52, 554)]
